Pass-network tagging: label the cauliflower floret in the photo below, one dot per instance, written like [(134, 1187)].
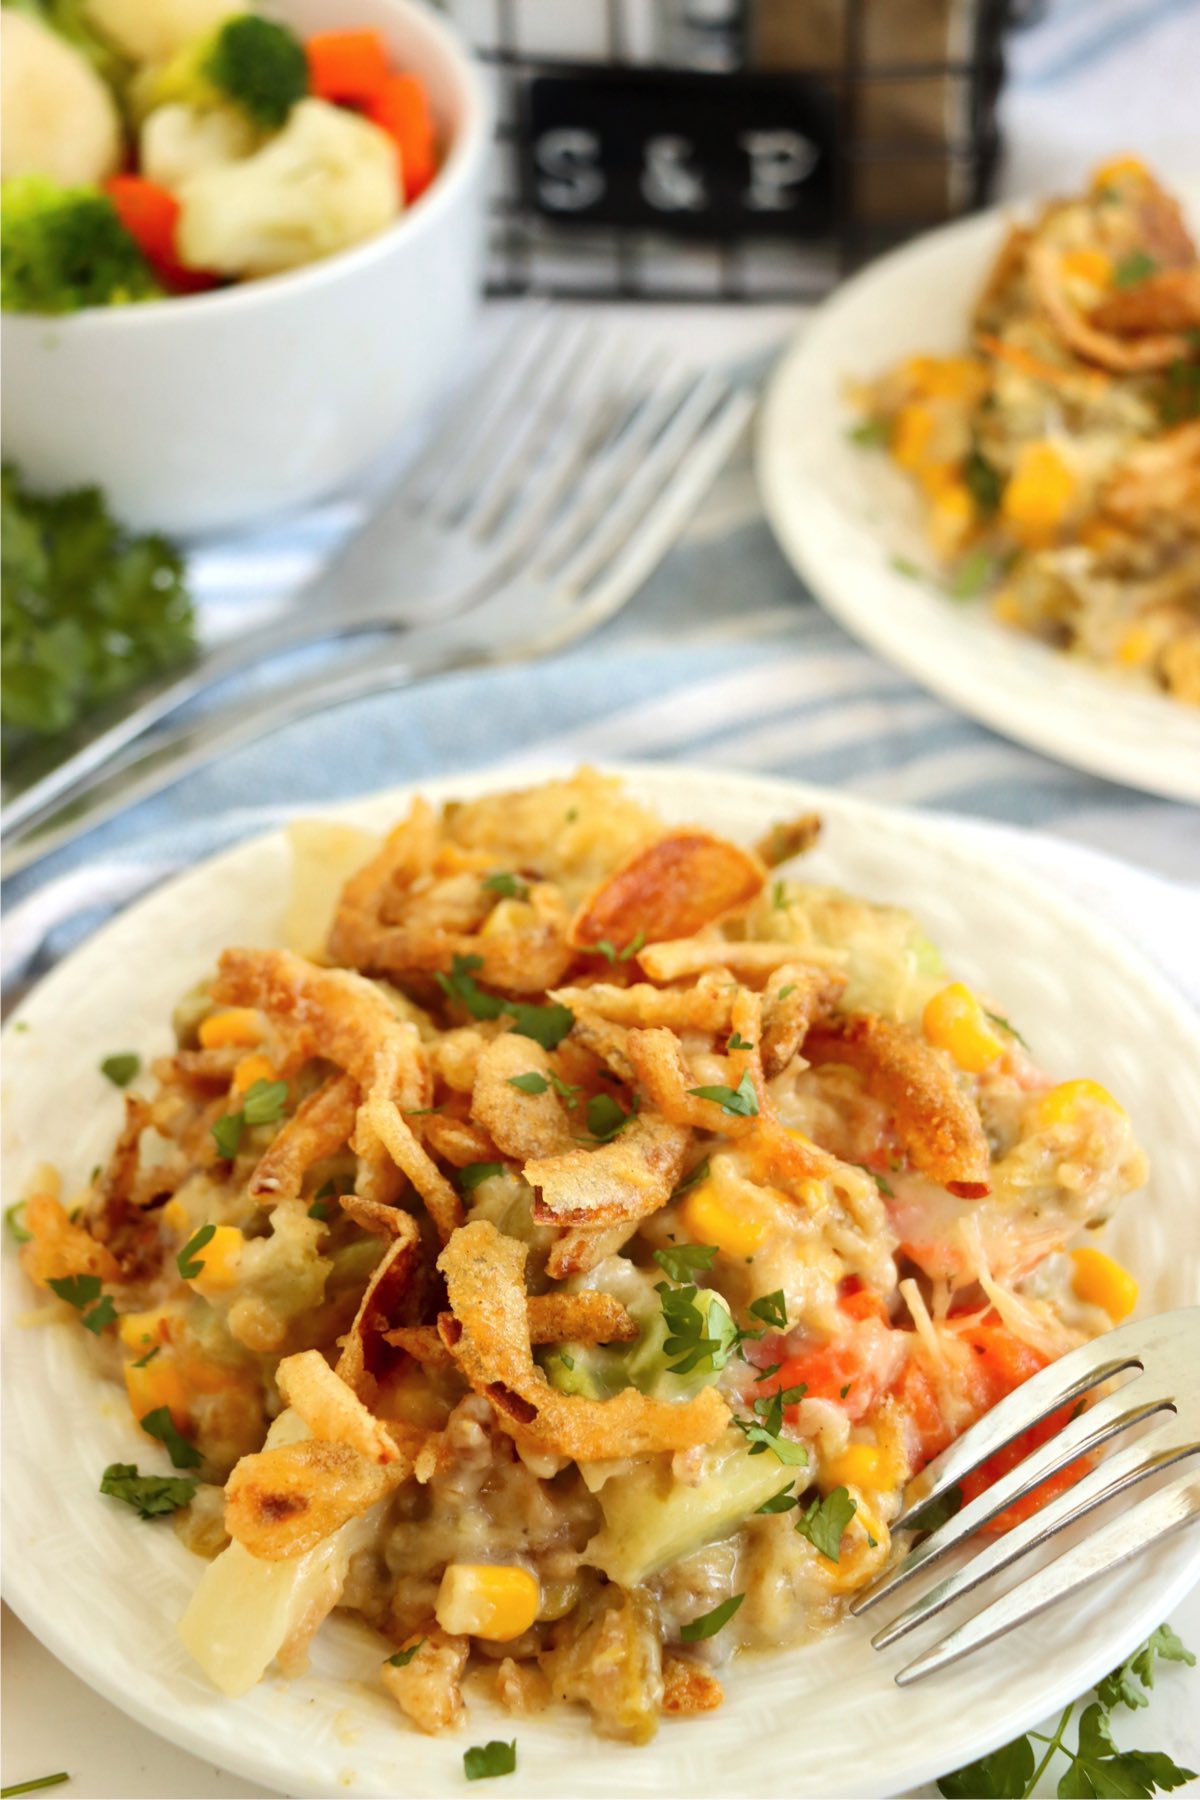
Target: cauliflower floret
[(150, 31), (326, 181), (179, 141), (57, 117)]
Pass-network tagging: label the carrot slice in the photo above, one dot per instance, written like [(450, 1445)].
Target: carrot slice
[(346, 67), (150, 214), (401, 108)]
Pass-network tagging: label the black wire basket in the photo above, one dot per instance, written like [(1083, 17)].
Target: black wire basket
[(750, 150)]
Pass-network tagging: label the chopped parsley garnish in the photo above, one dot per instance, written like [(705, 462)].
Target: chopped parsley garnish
[(771, 1369), (685, 1259), (319, 1210), (742, 1101), (159, 1424), (688, 1328), (738, 1042), (771, 1309), (1127, 1684), (149, 1356), (973, 574), (472, 1174), (152, 1496), (788, 988), (871, 434), (402, 1658), (14, 1220), (533, 1083), (884, 1186), (1135, 267), (781, 1502), (936, 1512), (709, 1623), (546, 1025), (567, 1361), (606, 1116), (32, 1787), (101, 1315), (507, 885), (983, 482), (824, 1521), (326, 1191), (700, 1173), (765, 1430), (121, 1069), (611, 954), (227, 1134), (1002, 1022), (77, 1290), (482, 1761), (264, 1102), (186, 1262)]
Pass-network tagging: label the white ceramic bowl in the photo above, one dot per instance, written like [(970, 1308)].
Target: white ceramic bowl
[(216, 409)]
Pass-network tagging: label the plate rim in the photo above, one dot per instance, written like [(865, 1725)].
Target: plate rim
[(188, 1731), (1044, 730)]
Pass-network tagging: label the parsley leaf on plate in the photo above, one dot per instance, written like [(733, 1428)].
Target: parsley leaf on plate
[(264, 1102), (77, 1290), (1002, 1022), (709, 1623), (482, 1761), (153, 1496), (700, 1173), (824, 1521), (771, 1309), (871, 434), (688, 1327), (32, 1787), (738, 1042), (122, 1068), (684, 1259), (14, 1219), (783, 1501), (741, 1101), (507, 885), (1126, 1685), (227, 1134), (532, 1083), (186, 1262), (402, 1658), (1004, 1775), (606, 1117), (159, 1424), (471, 1174), (100, 1315)]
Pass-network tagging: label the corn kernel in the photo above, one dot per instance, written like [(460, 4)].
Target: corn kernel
[(1087, 265), (1101, 1281), (236, 1025), (157, 1383), (1008, 608), (955, 1021), (138, 1331), (487, 1600), (219, 1260), (251, 1069), (1117, 169), (1137, 646), (858, 1465), (737, 1229), (911, 433), (508, 915), (1064, 1103), (1039, 494)]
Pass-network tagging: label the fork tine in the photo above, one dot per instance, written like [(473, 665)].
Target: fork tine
[(1158, 1516), (1117, 1473), (1114, 1414)]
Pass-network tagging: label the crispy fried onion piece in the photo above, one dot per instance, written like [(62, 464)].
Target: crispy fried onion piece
[(282, 1502), (587, 1318), (458, 1141), (617, 1184), (58, 1248), (1121, 355), (390, 1283), (383, 1116), (583, 1248), (376, 1217), (488, 1336), (1158, 480), (704, 1007), (336, 1015), (522, 1125), (370, 929), (667, 1081), (332, 1411), (937, 1124), (687, 1688), (670, 888), (791, 837), (606, 1041), (689, 956), (796, 996), (318, 1128), (1168, 301)]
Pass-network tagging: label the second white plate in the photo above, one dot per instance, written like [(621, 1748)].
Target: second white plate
[(843, 514)]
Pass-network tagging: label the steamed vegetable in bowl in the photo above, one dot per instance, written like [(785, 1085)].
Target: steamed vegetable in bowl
[(170, 147), (562, 1253)]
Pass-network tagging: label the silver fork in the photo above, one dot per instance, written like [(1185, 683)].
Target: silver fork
[(1161, 1357), (599, 534), (459, 521)]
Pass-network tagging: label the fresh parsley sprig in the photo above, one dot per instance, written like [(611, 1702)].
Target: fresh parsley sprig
[(700, 1173), (80, 1291), (122, 1068), (764, 1430), (506, 884), (186, 1262), (611, 954), (483, 1761), (683, 1260), (536, 1083), (546, 1025), (709, 1623), (152, 1496), (824, 1521), (606, 1117), (159, 1424), (262, 1104), (688, 1329), (741, 1101), (402, 1658)]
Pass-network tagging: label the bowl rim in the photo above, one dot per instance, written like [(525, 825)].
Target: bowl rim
[(456, 172)]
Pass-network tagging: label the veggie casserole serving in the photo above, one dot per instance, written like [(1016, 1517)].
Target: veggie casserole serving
[(1058, 458), (564, 1253)]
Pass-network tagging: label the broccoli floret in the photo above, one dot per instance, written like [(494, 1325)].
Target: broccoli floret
[(89, 610), (260, 66), (248, 62), (65, 248)]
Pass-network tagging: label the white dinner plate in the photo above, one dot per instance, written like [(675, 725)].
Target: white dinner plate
[(843, 514), (103, 1589)]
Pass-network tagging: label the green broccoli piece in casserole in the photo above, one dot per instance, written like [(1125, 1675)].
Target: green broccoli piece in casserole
[(249, 62), (63, 248)]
